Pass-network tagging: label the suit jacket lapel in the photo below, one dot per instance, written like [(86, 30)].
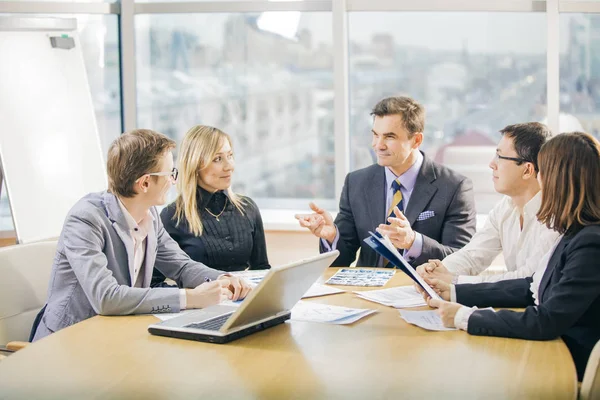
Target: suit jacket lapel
[(119, 223), (374, 195), (423, 191), (150, 256), (374, 200)]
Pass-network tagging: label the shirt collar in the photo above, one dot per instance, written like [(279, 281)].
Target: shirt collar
[(204, 197), (409, 178), (533, 205), (144, 224)]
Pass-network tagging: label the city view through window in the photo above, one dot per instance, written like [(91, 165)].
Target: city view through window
[(267, 79)]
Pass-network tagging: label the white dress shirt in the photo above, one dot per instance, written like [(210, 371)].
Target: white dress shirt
[(139, 232), (539, 273), (522, 248)]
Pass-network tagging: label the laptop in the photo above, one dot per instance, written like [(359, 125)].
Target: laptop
[(268, 304)]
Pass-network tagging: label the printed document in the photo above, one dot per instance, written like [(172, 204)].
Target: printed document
[(397, 297), (429, 320), (316, 312), (360, 277)]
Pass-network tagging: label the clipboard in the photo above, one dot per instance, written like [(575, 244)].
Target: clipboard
[(384, 247)]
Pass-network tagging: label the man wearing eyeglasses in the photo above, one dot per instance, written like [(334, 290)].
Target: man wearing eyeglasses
[(512, 227), (111, 242)]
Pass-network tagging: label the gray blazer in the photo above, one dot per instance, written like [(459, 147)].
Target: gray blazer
[(441, 208), (90, 274)]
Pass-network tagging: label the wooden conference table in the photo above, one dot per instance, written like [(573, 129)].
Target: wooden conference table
[(378, 357)]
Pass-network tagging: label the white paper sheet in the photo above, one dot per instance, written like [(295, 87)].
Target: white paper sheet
[(253, 277), (413, 273), (166, 316), (316, 312), (397, 297), (321, 290), (429, 320)]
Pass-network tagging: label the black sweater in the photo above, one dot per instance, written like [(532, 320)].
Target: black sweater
[(234, 242)]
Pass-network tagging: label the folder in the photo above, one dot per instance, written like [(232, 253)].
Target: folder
[(384, 247)]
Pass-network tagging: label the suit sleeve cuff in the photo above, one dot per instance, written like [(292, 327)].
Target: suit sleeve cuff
[(416, 249), (333, 245), (182, 299), (461, 319)]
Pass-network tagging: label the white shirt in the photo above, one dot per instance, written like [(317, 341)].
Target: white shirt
[(522, 248), (539, 273), (139, 233)]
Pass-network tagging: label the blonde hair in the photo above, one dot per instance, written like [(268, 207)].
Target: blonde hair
[(198, 149)]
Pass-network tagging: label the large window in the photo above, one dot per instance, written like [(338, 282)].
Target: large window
[(100, 47), (265, 79), (473, 75), (580, 73)]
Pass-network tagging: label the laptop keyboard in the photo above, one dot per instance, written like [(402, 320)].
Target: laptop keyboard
[(212, 324)]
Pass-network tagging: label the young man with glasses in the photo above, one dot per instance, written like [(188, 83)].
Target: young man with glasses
[(512, 227), (112, 241)]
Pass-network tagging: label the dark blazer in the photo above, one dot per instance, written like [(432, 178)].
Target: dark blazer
[(439, 189), (569, 296)]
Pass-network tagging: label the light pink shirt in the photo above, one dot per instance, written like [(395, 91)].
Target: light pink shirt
[(139, 233)]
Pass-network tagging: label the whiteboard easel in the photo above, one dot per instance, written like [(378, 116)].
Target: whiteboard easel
[(50, 152)]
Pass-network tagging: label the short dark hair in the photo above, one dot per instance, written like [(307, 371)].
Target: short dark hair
[(412, 113), (570, 169), (528, 139), (132, 155)]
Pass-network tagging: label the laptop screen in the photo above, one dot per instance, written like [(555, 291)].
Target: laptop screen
[(280, 290)]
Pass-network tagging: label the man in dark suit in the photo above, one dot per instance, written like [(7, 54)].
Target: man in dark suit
[(426, 209)]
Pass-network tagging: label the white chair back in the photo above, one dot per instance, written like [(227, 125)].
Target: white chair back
[(590, 386), (24, 275)]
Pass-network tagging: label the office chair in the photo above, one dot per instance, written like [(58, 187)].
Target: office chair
[(24, 274), (590, 386)]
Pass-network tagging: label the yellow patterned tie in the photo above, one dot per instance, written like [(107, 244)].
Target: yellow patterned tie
[(396, 200)]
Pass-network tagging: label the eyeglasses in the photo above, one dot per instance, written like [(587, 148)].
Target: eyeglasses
[(517, 160), (173, 174)]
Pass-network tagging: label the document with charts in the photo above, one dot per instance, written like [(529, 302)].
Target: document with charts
[(253, 276), (360, 277)]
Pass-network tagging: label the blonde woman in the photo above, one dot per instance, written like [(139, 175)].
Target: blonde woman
[(211, 223)]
